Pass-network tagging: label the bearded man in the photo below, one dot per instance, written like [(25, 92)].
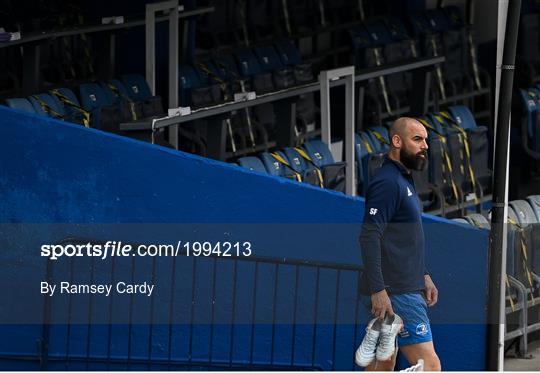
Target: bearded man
[(397, 287)]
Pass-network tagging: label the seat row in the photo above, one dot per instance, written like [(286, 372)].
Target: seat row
[(247, 22), (435, 32), (522, 268), (457, 174), (101, 105), (265, 69), (312, 163), (378, 40)]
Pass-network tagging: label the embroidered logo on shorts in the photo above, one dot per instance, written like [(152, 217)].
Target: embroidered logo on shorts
[(404, 333), (421, 329)]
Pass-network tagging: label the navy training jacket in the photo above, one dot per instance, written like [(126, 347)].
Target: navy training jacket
[(392, 238)]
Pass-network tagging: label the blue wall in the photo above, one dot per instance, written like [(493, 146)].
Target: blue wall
[(53, 173)]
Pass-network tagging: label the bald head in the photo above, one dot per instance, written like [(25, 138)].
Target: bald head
[(404, 126), (408, 143)]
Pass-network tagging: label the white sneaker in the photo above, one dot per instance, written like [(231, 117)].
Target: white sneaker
[(390, 328), (365, 354)]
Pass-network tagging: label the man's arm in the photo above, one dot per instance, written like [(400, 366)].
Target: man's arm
[(381, 203)]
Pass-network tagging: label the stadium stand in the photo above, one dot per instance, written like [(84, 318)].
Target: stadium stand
[(269, 47), (522, 280)]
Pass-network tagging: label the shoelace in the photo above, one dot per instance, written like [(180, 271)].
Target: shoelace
[(370, 342), (386, 340)]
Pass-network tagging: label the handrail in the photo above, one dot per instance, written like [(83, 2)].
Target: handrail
[(34, 37), (250, 314), (205, 112)]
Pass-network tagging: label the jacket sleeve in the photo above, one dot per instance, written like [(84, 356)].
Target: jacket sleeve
[(382, 199)]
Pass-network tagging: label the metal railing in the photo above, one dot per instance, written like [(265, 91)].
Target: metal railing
[(419, 67), (271, 332)]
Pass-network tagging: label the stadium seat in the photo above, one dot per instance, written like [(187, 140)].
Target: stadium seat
[(516, 292), (455, 140), (525, 232), (115, 90), (534, 201), (252, 163), (478, 141), (45, 104), (524, 212), (478, 221), (467, 152), (104, 115), (20, 104), (139, 91), (530, 99), (390, 92), (379, 138), (277, 167), (75, 113), (227, 67), (247, 63), (137, 87), (212, 89), (214, 81), (440, 174), (189, 80), (261, 81), (282, 76), (333, 173), (363, 148), (268, 58), (118, 96), (288, 53), (307, 170)]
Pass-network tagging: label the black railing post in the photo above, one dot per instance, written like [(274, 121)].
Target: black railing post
[(497, 238)]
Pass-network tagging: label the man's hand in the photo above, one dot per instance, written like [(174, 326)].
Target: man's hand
[(430, 292), (381, 305)]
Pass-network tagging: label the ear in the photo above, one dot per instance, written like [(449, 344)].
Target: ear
[(396, 141)]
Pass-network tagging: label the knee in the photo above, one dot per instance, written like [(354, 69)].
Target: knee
[(432, 363)]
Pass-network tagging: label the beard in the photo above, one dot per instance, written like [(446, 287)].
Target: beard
[(413, 161)]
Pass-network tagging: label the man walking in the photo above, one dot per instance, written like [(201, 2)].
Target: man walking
[(392, 243)]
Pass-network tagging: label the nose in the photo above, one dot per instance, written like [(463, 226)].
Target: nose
[(424, 145)]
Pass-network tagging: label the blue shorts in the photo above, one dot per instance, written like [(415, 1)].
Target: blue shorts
[(412, 308)]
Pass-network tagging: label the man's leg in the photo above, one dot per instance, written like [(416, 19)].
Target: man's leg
[(425, 351), (416, 341), (387, 365)]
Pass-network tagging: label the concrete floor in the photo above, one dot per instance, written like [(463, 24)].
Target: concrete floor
[(513, 364)]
